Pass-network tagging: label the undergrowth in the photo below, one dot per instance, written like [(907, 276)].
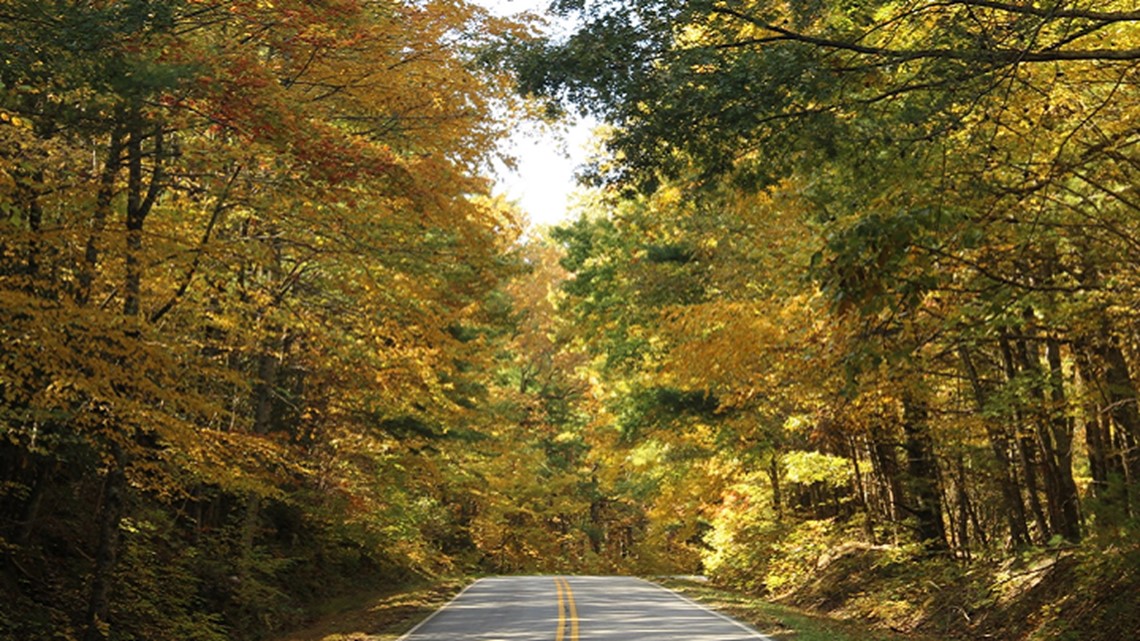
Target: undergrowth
[(1041, 594)]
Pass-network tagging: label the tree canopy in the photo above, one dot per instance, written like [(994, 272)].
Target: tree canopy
[(852, 274), (898, 233)]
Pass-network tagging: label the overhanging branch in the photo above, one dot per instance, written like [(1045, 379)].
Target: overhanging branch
[(997, 55)]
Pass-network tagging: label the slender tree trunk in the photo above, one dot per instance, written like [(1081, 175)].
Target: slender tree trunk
[(42, 476), (29, 193), (103, 202), (963, 500), (1001, 447), (1061, 454), (1028, 452), (1118, 390), (1096, 440), (1029, 359), (141, 198), (925, 500), (1026, 449), (861, 492), (110, 513), (1054, 436), (950, 518), (774, 478), (264, 391), (268, 364), (112, 510), (1122, 403), (596, 533), (1097, 437), (1125, 444), (979, 529), (886, 464)]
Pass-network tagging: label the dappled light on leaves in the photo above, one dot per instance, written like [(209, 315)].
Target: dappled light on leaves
[(853, 280)]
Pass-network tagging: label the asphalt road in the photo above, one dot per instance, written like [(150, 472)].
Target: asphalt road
[(548, 608)]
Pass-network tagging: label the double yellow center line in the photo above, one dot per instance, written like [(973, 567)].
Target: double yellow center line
[(567, 611)]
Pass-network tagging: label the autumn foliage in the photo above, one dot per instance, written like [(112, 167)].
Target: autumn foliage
[(858, 276), (241, 245), (854, 278)]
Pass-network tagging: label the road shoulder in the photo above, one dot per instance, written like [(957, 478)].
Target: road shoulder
[(778, 622), (382, 616)]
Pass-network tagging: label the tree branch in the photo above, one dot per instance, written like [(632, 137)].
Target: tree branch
[(1053, 12), (188, 277), (997, 56)]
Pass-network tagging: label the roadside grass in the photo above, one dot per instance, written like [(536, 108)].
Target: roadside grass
[(380, 616), (780, 622)]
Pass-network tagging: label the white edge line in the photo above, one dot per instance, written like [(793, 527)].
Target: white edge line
[(740, 624), (431, 616)]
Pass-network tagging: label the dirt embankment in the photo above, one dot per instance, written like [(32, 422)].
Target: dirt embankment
[(1067, 593)]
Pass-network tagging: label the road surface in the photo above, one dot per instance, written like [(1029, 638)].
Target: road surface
[(549, 608)]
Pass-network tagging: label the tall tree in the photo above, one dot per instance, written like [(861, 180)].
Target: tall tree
[(238, 239)]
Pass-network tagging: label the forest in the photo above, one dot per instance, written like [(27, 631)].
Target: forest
[(847, 314)]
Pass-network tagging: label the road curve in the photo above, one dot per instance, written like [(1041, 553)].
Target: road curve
[(576, 608)]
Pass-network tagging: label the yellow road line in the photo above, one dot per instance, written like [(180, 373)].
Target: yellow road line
[(561, 633), (573, 611), (567, 611)]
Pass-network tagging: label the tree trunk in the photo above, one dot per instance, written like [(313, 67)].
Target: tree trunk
[(1097, 436), (1122, 401), (1054, 436), (1001, 447), (1119, 394), (264, 391), (885, 460), (106, 555), (139, 205), (28, 193), (103, 203), (43, 474), (774, 478), (861, 492), (925, 500), (1061, 451), (963, 500), (1028, 452), (1026, 449)]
